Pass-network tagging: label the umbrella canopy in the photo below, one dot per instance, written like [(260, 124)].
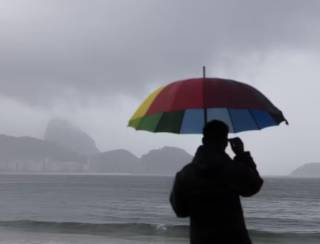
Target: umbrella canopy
[(185, 106)]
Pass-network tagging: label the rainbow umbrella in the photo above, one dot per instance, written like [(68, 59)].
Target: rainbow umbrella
[(184, 107)]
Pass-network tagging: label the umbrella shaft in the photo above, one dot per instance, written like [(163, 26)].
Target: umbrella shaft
[(205, 109), (205, 113)]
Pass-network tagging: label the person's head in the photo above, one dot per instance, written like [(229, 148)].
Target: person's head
[(215, 133)]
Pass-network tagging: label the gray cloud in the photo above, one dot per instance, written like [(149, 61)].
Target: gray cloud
[(51, 49)]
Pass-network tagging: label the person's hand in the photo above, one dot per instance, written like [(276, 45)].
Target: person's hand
[(236, 145)]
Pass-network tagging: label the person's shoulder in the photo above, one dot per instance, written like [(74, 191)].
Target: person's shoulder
[(186, 170)]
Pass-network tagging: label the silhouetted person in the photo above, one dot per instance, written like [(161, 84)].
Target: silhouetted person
[(208, 189)]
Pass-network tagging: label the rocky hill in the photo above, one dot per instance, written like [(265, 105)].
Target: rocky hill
[(70, 137), (307, 170), (66, 148), (115, 161), (165, 161), (27, 154)]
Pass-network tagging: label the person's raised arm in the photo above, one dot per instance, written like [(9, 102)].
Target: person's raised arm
[(243, 176)]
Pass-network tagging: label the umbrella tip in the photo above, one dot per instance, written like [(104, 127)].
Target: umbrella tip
[(204, 71)]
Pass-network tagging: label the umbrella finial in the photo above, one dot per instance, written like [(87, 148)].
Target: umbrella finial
[(204, 71)]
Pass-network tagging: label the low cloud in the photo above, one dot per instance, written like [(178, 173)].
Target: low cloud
[(96, 48)]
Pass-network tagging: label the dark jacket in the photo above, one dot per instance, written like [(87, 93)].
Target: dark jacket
[(207, 190)]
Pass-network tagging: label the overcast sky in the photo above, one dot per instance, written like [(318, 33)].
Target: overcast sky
[(92, 62)]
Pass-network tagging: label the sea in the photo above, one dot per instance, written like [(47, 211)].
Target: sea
[(65, 209)]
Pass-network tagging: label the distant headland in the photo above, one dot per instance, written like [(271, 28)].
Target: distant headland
[(309, 170), (67, 149)]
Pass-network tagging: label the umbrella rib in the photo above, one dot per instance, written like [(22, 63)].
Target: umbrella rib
[(157, 126), (254, 119), (231, 120), (181, 123)]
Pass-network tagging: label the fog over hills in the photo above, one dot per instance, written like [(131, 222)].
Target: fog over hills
[(67, 149), (69, 136)]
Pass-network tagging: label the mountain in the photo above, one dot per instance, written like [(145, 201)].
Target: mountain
[(165, 161), (307, 170), (28, 154), (116, 161), (31, 154), (71, 137)]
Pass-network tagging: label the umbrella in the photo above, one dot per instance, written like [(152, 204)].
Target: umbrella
[(184, 107)]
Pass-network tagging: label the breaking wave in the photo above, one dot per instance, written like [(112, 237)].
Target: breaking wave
[(130, 229)]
